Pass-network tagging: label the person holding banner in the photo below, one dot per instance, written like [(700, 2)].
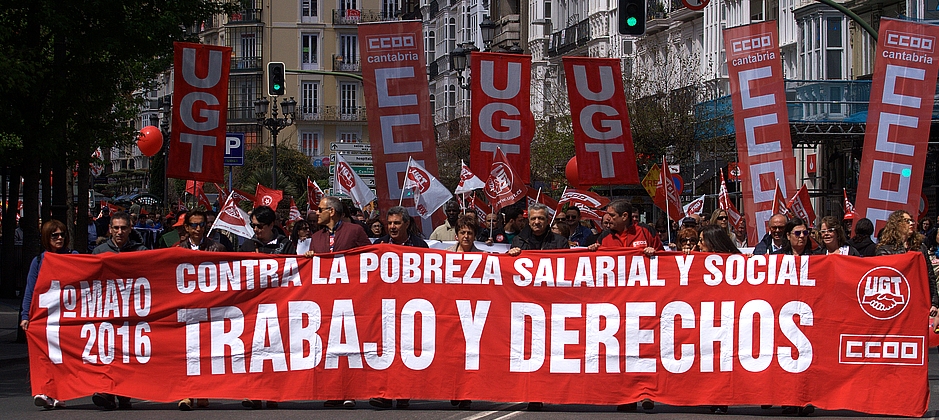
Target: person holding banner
[(688, 240), (54, 238), (196, 240), (713, 238), (337, 234), (900, 236), (798, 238), (266, 240), (467, 230), (833, 239), (625, 234), (861, 241), (579, 233), (537, 236), (401, 229), (775, 240)]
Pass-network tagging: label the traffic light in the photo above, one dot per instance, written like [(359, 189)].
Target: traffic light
[(275, 79), (632, 17)]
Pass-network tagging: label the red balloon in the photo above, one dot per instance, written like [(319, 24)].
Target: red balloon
[(571, 171), (150, 140)]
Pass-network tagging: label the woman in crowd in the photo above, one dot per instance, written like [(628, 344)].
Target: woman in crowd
[(54, 239), (713, 238), (466, 229), (798, 241), (719, 218), (925, 225), (862, 241), (900, 236), (376, 229), (832, 239), (687, 240), (299, 233), (561, 227)]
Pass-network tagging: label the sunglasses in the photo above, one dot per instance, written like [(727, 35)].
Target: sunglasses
[(58, 235), (570, 217), (800, 233), (910, 221), (829, 230), (689, 240), (258, 225), (722, 218), (197, 225)]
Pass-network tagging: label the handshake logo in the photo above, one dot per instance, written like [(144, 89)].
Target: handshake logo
[(883, 293)]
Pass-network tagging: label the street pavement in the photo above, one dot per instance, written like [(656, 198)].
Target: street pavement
[(16, 401)]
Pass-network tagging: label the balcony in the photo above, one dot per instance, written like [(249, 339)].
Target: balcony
[(245, 16), (440, 66), (339, 64), (569, 38), (333, 114), (355, 16), (246, 63)]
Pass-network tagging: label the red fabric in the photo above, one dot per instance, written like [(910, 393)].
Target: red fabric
[(397, 98), (761, 119), (646, 314), (294, 211), (504, 186), (848, 207), (634, 236), (670, 196), (801, 206), (313, 193), (898, 120), (346, 236), (501, 111), (724, 203), (200, 104), (240, 196), (264, 196), (604, 144), (589, 203), (780, 205)]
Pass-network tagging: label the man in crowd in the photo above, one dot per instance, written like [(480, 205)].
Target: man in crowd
[(447, 231), (266, 240), (335, 236), (579, 233), (514, 222), (174, 236), (493, 224), (624, 233), (119, 226), (399, 229), (537, 236), (775, 239), (398, 225), (196, 225)]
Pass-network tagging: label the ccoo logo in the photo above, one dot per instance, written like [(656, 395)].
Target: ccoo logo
[(883, 293)]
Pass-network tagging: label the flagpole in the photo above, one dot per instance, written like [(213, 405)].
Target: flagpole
[(557, 209), (668, 216), (401, 199)]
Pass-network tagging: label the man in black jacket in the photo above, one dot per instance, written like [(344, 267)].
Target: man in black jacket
[(266, 240), (537, 236), (775, 239)]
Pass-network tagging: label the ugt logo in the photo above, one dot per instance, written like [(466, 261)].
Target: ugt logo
[(883, 293)]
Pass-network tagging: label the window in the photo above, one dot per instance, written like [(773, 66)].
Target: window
[(430, 46), (451, 102), (834, 50), (347, 4), (347, 48), (309, 98), (388, 9), (433, 105), (249, 51), (309, 11), (348, 93), (348, 137), (451, 34), (309, 58), (311, 143)]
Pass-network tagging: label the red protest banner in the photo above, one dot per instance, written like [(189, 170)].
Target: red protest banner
[(397, 101), (200, 109), (556, 327), (502, 111), (604, 144), (898, 120), (761, 120)]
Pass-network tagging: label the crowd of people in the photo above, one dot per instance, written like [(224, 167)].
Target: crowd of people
[(333, 226)]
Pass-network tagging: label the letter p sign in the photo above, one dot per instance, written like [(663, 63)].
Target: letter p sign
[(234, 149)]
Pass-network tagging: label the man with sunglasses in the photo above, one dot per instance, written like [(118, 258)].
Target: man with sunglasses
[(775, 239), (579, 233), (196, 225), (266, 240)]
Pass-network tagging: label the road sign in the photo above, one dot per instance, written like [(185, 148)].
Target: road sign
[(234, 149), (695, 4), (361, 170), (357, 159), (368, 180), (351, 147)]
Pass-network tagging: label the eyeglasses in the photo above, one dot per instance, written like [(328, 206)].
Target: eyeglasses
[(689, 240), (258, 225), (829, 230), (322, 209), (197, 225), (722, 218), (800, 233), (120, 228), (777, 227), (58, 235), (910, 221), (570, 217)]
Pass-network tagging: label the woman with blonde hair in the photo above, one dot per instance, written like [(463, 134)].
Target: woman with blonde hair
[(899, 237)]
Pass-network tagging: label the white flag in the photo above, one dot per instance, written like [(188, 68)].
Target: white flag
[(233, 219), (694, 207), (429, 193), (468, 181), (346, 181)]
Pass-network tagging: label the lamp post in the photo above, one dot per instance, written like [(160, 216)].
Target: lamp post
[(487, 29), (275, 125), (166, 112), (460, 56)]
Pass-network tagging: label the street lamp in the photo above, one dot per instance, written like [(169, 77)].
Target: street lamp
[(487, 29), (275, 125), (459, 59), (166, 112)]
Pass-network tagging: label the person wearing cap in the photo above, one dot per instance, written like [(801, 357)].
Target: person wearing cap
[(173, 237), (689, 222), (847, 223)]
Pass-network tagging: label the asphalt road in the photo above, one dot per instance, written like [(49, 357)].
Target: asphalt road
[(16, 403)]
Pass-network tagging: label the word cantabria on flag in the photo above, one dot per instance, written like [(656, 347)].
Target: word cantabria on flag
[(559, 327)]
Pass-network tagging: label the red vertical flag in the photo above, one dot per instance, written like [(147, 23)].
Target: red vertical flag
[(604, 144), (397, 100), (723, 201), (780, 205), (502, 115), (761, 119), (801, 206), (313, 193), (264, 196), (200, 109), (670, 195), (898, 120)]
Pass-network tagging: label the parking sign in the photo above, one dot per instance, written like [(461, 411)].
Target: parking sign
[(234, 149)]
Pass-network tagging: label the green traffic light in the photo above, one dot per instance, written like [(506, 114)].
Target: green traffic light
[(276, 87), (631, 21)]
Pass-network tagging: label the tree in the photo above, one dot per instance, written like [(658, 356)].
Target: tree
[(293, 168)]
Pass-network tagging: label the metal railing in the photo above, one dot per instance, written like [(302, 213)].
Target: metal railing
[(246, 63), (245, 16), (569, 38), (340, 64), (355, 16), (332, 113)]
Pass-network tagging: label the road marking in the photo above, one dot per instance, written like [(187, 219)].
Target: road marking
[(500, 407)]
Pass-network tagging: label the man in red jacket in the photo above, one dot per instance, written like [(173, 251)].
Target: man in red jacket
[(624, 233), (337, 235)]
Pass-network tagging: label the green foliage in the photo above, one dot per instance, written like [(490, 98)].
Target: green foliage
[(551, 149), (293, 168)]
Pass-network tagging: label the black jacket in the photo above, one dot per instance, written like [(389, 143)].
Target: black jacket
[(765, 246), (865, 246), (526, 240), (413, 240), (884, 249), (281, 246)]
